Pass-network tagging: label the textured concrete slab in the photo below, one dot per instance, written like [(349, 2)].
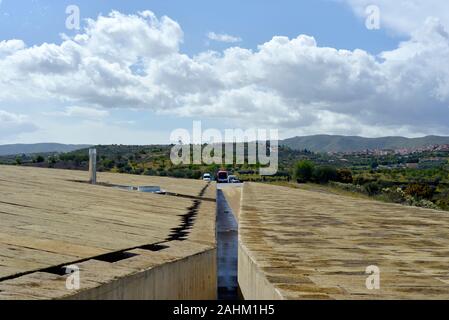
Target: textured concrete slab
[(50, 219), (297, 244)]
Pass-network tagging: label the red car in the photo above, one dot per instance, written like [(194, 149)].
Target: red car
[(222, 177)]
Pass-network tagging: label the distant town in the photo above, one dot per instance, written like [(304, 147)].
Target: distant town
[(399, 151)]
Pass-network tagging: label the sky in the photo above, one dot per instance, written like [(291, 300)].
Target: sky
[(134, 71)]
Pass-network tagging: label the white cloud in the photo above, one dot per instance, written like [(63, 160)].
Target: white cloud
[(81, 112), (8, 47), (134, 61), (12, 124), (223, 37), (404, 16)]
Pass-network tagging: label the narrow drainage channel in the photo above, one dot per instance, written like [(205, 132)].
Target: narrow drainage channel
[(227, 242)]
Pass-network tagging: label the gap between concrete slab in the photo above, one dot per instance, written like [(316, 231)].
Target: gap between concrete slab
[(227, 250)]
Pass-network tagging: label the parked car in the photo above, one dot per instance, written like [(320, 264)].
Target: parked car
[(222, 177), (233, 179), (207, 177)]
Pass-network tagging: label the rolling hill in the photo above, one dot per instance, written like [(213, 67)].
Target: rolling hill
[(315, 143), (335, 143), (13, 149)]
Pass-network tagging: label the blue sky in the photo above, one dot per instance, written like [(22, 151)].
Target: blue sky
[(255, 21), (336, 24)]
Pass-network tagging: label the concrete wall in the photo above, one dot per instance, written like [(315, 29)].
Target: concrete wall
[(233, 194), (181, 270), (253, 283), (190, 278)]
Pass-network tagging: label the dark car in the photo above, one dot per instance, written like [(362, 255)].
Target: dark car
[(222, 177)]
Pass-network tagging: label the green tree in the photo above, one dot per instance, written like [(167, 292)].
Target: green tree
[(40, 159), (52, 160), (108, 163), (304, 170)]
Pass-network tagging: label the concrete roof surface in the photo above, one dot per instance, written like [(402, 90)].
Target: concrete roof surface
[(311, 245), (49, 219)]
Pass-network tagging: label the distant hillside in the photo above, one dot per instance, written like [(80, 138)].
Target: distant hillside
[(12, 149), (330, 143)]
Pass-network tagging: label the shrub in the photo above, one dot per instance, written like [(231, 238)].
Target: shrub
[(361, 180), (395, 195), (423, 203), (344, 176), (52, 160), (126, 168), (324, 174), (149, 172), (347, 186), (419, 191), (304, 171), (40, 159), (108, 164), (178, 173), (66, 157), (442, 199), (137, 171), (196, 174), (372, 188), (443, 203)]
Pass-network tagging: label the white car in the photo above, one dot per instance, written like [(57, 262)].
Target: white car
[(233, 179), (207, 177)]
